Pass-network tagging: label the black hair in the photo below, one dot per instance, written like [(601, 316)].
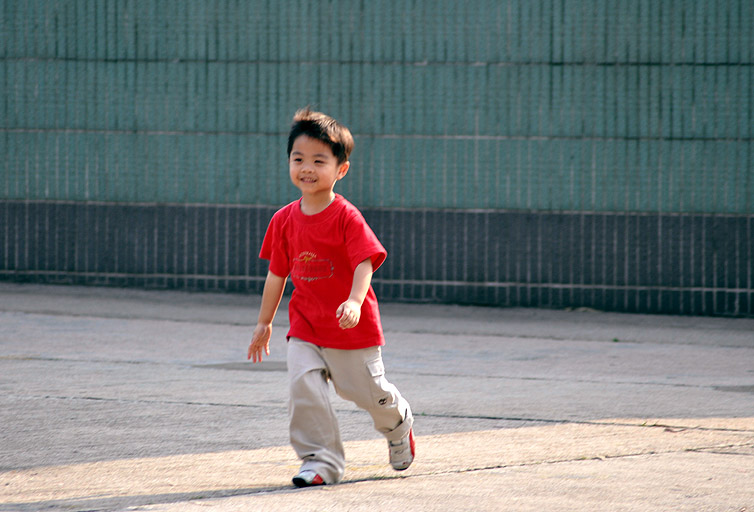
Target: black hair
[(324, 128)]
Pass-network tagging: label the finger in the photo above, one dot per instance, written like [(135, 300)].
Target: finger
[(253, 352)]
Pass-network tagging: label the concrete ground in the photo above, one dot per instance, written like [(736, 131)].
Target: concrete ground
[(142, 400)]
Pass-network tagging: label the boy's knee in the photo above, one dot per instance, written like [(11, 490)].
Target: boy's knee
[(307, 382)]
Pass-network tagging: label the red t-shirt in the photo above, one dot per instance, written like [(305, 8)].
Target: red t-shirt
[(320, 253)]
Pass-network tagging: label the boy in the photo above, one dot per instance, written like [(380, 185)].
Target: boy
[(324, 244)]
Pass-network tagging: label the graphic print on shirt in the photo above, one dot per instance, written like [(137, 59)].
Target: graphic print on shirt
[(310, 268)]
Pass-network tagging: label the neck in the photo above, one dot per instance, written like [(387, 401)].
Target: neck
[(312, 205)]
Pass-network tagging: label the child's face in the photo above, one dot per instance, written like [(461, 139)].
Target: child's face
[(313, 166)]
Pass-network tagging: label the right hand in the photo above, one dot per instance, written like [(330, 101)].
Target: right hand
[(260, 342)]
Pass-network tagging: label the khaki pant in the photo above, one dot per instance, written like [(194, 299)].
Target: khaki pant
[(358, 376)]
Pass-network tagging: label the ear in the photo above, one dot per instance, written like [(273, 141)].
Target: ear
[(343, 169)]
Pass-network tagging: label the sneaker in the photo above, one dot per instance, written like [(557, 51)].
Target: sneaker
[(307, 478), (402, 452)]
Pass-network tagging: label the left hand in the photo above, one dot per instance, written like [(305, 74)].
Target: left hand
[(260, 342), (348, 314)]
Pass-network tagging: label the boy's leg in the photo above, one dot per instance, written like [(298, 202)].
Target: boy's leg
[(359, 376), (313, 426)]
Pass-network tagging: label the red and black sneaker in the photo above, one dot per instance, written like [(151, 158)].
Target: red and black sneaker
[(307, 478)]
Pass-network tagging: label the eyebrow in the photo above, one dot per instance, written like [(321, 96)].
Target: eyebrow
[(316, 155)]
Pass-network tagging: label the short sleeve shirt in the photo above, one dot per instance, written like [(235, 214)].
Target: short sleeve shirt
[(320, 253)]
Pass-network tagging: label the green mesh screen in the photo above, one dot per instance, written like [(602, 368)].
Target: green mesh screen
[(532, 105)]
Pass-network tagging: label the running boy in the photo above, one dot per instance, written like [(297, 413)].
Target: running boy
[(326, 247)]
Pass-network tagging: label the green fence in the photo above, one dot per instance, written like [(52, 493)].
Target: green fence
[(566, 107), (535, 105)]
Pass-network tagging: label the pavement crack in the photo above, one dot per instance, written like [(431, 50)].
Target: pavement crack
[(577, 380), (602, 458), (82, 360), (729, 449), (521, 419), (150, 402)]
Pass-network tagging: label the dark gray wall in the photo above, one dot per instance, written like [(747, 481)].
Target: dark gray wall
[(659, 263)]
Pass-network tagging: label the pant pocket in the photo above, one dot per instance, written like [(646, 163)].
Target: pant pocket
[(376, 368), (382, 390)]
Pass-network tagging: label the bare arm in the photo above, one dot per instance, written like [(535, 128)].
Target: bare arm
[(349, 313), (274, 286)]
